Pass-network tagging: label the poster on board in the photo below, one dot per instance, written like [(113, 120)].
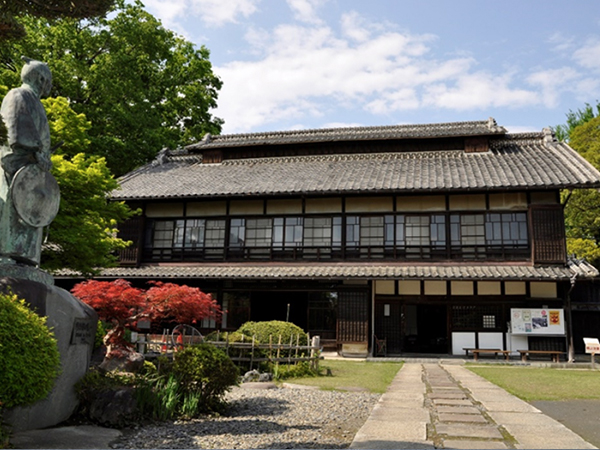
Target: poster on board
[(537, 321)]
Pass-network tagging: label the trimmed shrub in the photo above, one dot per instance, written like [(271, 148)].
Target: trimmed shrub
[(29, 357), (205, 374), (233, 336), (274, 328)]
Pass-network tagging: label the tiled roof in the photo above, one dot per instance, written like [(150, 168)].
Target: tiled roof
[(271, 271), (520, 161), (475, 128)]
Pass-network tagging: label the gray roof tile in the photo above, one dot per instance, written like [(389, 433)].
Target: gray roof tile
[(522, 161)]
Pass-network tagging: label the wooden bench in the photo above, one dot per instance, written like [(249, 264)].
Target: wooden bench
[(554, 354), (495, 351)]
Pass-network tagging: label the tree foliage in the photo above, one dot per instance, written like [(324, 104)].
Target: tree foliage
[(582, 213), (141, 86), (12, 10), (116, 302), (29, 356), (83, 236), (123, 305), (169, 302), (574, 119)]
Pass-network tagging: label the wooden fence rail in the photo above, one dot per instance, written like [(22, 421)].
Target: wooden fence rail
[(244, 351)]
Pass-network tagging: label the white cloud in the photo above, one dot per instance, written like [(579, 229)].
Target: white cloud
[(552, 83), (211, 12), (355, 27), (478, 90), (306, 10), (311, 71), (561, 42), (588, 56)]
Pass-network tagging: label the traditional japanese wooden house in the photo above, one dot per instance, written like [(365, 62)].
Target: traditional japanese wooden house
[(431, 237)]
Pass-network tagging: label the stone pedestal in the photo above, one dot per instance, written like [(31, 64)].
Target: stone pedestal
[(74, 326)]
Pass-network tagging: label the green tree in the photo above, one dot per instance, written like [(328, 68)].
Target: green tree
[(582, 213), (11, 10), (574, 119), (142, 87), (83, 235)]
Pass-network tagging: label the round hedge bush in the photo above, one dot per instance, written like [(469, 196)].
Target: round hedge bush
[(262, 330), (29, 357), (207, 372)]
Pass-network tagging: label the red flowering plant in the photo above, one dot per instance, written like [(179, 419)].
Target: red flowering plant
[(123, 305)]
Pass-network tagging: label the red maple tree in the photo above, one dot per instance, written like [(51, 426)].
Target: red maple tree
[(123, 305)]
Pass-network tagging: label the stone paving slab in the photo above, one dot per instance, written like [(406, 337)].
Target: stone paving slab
[(399, 414), (379, 444), (401, 418), (410, 396), (408, 431), (474, 431), (447, 395), (473, 444), (452, 402), (508, 406), (457, 409), (467, 418)]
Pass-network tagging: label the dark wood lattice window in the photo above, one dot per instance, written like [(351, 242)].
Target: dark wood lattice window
[(548, 234), (353, 317)]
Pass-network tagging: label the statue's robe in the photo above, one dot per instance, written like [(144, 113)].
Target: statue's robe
[(28, 134)]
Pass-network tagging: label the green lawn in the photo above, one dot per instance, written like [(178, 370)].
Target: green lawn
[(374, 376), (532, 384)]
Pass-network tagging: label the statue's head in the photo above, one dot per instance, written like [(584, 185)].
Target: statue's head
[(38, 75)]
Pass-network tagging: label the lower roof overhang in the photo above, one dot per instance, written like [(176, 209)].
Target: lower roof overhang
[(357, 271)]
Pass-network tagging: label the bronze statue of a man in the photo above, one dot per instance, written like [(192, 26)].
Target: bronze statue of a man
[(29, 195)]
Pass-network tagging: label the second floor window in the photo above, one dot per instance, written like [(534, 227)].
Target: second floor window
[(287, 232), (395, 236)]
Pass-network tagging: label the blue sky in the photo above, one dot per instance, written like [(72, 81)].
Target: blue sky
[(295, 64)]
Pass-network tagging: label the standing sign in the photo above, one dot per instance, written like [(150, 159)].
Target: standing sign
[(537, 321), (592, 345)]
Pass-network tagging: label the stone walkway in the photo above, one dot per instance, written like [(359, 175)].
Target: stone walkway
[(447, 406)]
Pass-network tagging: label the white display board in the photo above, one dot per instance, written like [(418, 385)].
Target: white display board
[(546, 321)]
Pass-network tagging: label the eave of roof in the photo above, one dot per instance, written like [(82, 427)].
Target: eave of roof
[(343, 271)]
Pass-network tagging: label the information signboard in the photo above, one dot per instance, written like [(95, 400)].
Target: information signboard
[(544, 321), (592, 345)]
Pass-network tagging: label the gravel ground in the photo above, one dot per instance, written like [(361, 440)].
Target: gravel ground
[(271, 418)]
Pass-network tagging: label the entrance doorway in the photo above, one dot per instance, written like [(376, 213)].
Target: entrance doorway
[(425, 328)]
